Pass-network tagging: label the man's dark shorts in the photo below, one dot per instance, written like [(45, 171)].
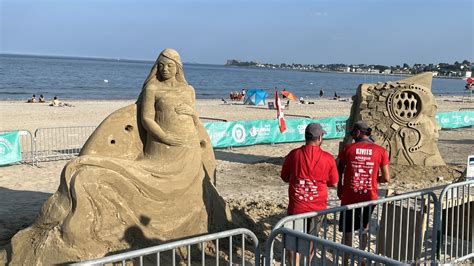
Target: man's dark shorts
[(345, 221)]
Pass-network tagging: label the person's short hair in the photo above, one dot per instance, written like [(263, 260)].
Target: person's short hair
[(313, 131)]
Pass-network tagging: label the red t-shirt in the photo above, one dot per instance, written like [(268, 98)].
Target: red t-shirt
[(309, 170), (361, 161)]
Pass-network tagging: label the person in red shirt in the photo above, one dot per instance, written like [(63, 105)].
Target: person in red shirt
[(360, 162), (309, 171)]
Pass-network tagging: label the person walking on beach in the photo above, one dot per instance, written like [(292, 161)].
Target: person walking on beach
[(309, 171), (360, 162), (321, 93)]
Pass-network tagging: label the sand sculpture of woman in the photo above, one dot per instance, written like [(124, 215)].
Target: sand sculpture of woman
[(142, 178)]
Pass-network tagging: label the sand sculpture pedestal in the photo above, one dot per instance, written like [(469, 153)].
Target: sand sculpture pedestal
[(143, 178)]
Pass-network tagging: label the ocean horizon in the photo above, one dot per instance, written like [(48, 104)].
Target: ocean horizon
[(104, 78)]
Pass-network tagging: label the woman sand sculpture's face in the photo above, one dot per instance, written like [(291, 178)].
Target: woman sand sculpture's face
[(167, 68)]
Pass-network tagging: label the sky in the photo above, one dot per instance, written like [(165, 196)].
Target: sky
[(386, 32)]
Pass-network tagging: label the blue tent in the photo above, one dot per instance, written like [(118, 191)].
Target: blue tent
[(255, 96)]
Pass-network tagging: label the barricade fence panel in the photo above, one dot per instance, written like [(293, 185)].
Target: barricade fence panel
[(238, 246), (298, 248), (61, 142), (399, 227), (455, 220), (27, 145)]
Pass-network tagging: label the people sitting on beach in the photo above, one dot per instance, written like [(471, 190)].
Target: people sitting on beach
[(41, 99), (32, 100), (57, 103), (237, 96), (336, 97), (302, 101)]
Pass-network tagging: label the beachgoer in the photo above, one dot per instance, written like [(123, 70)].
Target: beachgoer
[(41, 99), (309, 171), (321, 93), (360, 162), (32, 100), (243, 93), (56, 102), (302, 101)]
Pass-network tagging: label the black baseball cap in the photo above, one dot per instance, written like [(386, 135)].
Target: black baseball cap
[(360, 125)]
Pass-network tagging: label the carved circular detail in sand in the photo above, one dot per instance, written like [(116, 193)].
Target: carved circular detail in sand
[(404, 106)]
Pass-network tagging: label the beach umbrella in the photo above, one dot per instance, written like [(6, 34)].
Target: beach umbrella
[(289, 95)]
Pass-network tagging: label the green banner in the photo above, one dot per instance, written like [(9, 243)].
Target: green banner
[(10, 150), (455, 119), (245, 133)]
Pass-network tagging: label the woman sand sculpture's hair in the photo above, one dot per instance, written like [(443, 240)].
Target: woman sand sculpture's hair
[(143, 177)]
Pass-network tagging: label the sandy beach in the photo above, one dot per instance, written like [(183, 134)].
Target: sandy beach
[(247, 177)]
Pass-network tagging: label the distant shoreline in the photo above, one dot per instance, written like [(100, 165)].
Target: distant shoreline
[(339, 72)]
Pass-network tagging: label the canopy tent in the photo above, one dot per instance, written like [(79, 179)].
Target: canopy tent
[(255, 96)]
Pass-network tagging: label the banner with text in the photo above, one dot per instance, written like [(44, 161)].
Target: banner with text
[(455, 119), (10, 150), (245, 133)]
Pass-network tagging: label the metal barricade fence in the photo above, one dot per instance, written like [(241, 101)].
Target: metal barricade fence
[(27, 145), (227, 247), (60, 142), (399, 227), (313, 250), (455, 223)]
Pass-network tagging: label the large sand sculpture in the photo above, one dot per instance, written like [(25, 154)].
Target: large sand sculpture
[(142, 178), (402, 116)]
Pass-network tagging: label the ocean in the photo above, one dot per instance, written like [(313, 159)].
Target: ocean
[(87, 78)]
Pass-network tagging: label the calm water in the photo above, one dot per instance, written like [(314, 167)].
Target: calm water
[(79, 78)]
